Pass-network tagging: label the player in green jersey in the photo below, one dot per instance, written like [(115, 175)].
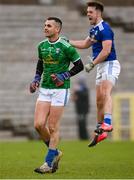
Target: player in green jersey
[(53, 79)]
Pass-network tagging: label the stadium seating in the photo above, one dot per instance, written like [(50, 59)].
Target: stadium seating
[(21, 28)]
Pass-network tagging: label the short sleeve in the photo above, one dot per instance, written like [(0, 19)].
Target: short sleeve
[(106, 34), (39, 52), (73, 54)]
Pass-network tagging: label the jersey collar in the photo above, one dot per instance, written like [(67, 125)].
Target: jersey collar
[(99, 23), (54, 41)]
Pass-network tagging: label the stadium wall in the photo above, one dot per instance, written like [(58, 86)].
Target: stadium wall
[(69, 2)]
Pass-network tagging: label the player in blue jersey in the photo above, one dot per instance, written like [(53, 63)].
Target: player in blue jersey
[(101, 39)]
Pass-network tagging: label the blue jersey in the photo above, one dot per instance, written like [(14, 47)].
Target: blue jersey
[(100, 33)]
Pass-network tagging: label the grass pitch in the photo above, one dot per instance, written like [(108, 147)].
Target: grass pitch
[(108, 160)]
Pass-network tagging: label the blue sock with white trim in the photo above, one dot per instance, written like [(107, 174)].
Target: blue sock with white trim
[(107, 118), (50, 156)]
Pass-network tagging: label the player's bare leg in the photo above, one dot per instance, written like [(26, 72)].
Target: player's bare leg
[(41, 113), (107, 87), (104, 105), (53, 155), (54, 124), (99, 104)]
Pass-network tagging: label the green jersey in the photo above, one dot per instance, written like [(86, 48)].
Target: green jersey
[(56, 58)]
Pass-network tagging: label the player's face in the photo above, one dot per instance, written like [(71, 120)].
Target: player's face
[(50, 28), (93, 15)]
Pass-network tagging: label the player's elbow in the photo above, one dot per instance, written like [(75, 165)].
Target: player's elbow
[(80, 66), (106, 52)]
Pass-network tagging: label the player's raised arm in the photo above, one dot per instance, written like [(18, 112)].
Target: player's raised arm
[(81, 44)]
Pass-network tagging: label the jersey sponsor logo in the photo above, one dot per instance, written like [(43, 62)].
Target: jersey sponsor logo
[(50, 60), (50, 55)]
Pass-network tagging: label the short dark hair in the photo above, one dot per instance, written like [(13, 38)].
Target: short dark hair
[(98, 5), (56, 20)]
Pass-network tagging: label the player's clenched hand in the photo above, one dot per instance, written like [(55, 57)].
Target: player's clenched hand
[(89, 66), (59, 79), (33, 86), (35, 83)]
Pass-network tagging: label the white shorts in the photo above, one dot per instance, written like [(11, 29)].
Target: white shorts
[(57, 97), (108, 70)]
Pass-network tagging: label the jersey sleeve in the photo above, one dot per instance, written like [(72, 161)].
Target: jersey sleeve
[(73, 55), (39, 52), (106, 34)]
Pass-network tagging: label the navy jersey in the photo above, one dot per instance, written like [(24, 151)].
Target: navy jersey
[(101, 32)]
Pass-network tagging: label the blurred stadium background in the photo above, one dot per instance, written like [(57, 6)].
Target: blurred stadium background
[(21, 28)]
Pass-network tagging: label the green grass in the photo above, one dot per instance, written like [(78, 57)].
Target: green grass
[(107, 160)]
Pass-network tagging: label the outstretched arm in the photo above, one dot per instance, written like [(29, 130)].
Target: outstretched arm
[(81, 44)]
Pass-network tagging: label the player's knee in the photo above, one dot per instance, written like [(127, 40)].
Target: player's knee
[(106, 95), (38, 126), (100, 102), (51, 129)]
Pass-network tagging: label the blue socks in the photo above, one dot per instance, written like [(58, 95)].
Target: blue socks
[(50, 156), (107, 118)]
